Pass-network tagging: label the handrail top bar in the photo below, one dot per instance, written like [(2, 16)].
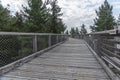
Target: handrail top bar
[(112, 32), (27, 34)]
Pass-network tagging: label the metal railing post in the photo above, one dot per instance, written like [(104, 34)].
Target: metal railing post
[(49, 40), (34, 43)]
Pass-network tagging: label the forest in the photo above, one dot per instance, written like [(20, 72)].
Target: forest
[(37, 17)]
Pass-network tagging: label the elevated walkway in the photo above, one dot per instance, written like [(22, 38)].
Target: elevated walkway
[(71, 60)]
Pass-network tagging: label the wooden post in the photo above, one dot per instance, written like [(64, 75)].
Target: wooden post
[(49, 40), (34, 43)]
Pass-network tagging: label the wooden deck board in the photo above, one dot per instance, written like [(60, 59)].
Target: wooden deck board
[(69, 61)]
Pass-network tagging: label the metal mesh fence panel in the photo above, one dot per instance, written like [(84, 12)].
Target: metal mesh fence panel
[(9, 47), (53, 39), (42, 42), (26, 46), (14, 46)]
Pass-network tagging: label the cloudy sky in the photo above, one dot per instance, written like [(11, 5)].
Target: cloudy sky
[(76, 12)]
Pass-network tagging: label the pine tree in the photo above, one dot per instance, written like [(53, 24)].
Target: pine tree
[(77, 31), (72, 32), (92, 28), (17, 23), (67, 32), (36, 16), (83, 30), (60, 26), (55, 20), (4, 19), (104, 20)]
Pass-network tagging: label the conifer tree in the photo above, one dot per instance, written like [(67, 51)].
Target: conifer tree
[(4, 19), (77, 31), (105, 19), (36, 16), (92, 28), (67, 32), (55, 18), (83, 30), (17, 23), (72, 31)]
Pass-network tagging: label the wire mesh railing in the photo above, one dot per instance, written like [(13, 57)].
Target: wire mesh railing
[(107, 47), (14, 46)]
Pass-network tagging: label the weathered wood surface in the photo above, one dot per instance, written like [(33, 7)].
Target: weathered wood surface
[(69, 61)]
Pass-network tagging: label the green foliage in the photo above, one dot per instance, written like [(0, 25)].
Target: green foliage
[(42, 42), (77, 31), (57, 25), (104, 20), (74, 31), (26, 46), (83, 30), (4, 19), (67, 32), (36, 16), (92, 28), (10, 23), (39, 18), (61, 27), (17, 23)]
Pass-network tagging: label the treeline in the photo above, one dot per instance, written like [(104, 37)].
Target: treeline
[(76, 31), (105, 19), (37, 17)]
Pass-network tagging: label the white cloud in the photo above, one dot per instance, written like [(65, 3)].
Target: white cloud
[(78, 12), (116, 7), (116, 4)]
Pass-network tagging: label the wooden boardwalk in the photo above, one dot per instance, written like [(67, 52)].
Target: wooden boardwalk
[(69, 61)]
